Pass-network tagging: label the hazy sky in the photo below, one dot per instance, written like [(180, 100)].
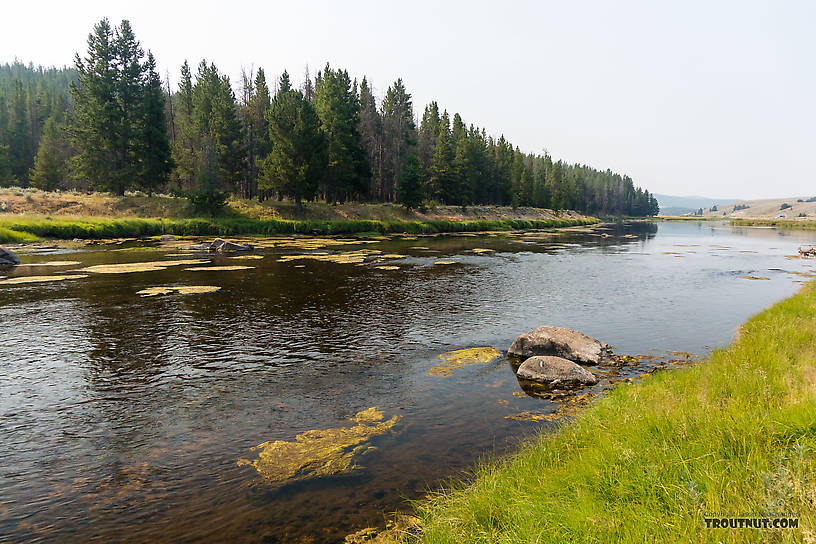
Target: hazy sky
[(712, 98)]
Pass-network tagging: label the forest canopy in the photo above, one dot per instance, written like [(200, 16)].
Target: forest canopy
[(111, 124)]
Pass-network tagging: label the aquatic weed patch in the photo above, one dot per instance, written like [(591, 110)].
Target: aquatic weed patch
[(320, 452)]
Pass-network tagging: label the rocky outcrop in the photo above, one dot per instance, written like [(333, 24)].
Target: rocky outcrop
[(221, 245), (7, 258), (555, 372), (559, 342), (167, 238)]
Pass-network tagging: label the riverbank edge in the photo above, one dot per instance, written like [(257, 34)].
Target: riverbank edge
[(731, 436), (21, 230), (778, 223)]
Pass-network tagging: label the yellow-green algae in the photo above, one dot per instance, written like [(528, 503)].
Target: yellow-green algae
[(319, 452), (461, 357), (218, 268), (179, 290), (40, 279), (147, 266), (53, 263), (354, 257)]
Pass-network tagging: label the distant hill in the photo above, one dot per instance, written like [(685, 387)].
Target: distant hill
[(681, 205), (794, 207)]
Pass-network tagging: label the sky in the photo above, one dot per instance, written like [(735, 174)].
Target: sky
[(712, 98)]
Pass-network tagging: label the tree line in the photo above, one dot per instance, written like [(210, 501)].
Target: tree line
[(111, 123)]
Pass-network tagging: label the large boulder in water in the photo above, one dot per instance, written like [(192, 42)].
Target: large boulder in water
[(220, 244), (7, 258), (558, 342), (555, 372)]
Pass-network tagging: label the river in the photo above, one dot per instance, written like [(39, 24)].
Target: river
[(124, 417)]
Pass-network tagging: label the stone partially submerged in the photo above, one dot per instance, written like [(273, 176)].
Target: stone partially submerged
[(7, 258), (555, 372), (559, 342), (220, 245)]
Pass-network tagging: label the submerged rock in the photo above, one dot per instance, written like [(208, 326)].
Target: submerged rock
[(220, 245), (7, 258), (559, 342), (555, 372)]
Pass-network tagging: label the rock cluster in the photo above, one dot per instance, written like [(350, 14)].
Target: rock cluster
[(551, 355)]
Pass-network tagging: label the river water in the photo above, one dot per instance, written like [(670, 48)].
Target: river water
[(124, 418)]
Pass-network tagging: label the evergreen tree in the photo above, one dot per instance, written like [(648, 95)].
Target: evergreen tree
[(18, 136), (442, 180), (371, 134), (96, 121), (5, 167), (428, 133), (255, 104), (338, 108), (216, 132), (186, 141), (409, 186), (129, 108), (398, 135), (152, 145), (299, 157), (51, 163)]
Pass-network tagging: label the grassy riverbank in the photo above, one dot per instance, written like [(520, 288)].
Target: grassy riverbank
[(13, 229), (801, 224), (735, 433), (29, 214)]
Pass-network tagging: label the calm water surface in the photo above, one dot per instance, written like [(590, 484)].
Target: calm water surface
[(122, 418)]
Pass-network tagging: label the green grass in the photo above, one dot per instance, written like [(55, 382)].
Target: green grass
[(735, 433), (9, 236), (136, 227), (779, 223)]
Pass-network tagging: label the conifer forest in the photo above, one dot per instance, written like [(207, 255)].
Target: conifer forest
[(111, 123)]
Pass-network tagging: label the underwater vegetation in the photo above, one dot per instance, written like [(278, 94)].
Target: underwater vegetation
[(320, 452)]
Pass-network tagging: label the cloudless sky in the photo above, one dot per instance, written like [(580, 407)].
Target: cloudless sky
[(711, 98)]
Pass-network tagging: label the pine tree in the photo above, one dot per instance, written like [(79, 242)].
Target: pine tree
[(18, 136), (256, 103), (51, 163), (442, 180), (338, 108), (5, 167), (216, 130), (94, 130), (399, 134), (152, 145), (371, 133), (428, 133), (409, 186), (299, 157), (186, 141), (129, 97)]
